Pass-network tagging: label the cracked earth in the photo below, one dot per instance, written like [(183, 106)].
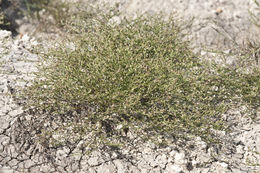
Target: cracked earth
[(240, 151)]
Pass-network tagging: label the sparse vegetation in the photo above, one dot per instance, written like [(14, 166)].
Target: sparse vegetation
[(3, 21), (138, 76), (48, 12), (253, 46), (55, 14), (254, 17), (1, 18)]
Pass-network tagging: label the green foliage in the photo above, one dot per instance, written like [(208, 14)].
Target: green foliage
[(1, 19), (1, 15), (137, 75)]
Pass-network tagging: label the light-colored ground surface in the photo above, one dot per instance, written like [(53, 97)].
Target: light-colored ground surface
[(240, 153), (208, 16)]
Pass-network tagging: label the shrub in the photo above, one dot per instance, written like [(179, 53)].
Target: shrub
[(137, 76)]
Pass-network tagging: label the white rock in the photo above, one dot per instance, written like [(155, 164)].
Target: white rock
[(114, 20), (15, 112), (5, 34), (222, 164), (106, 168), (179, 158), (162, 160), (173, 153), (94, 161), (173, 168), (121, 166)]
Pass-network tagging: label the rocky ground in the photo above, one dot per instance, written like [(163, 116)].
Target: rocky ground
[(240, 151)]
